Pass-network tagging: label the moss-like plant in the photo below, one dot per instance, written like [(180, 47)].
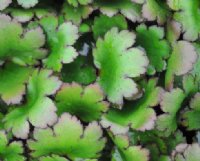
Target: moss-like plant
[(100, 80)]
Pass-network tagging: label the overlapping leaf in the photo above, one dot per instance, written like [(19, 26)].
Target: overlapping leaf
[(115, 74), (68, 138), (137, 115), (128, 8), (157, 49), (86, 103), (24, 3), (14, 77), (60, 40), (185, 152), (21, 47), (10, 151), (39, 110)]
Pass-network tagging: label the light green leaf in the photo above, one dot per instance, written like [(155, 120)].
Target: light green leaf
[(170, 104), (86, 103), (39, 110), (75, 3), (124, 63), (68, 138), (137, 115), (27, 4), (53, 158), (24, 3), (180, 62), (157, 48), (104, 23), (60, 39), (25, 45), (14, 77), (190, 24), (155, 10), (127, 152), (193, 115), (10, 151), (129, 9), (76, 14)]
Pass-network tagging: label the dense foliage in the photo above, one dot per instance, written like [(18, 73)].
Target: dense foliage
[(100, 80)]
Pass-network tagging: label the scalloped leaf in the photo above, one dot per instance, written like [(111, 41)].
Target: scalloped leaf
[(76, 14), (39, 110), (190, 24), (170, 104), (155, 10), (27, 4), (180, 62), (103, 23), (80, 71), (124, 63), (10, 151), (129, 9), (14, 77), (68, 138), (27, 15), (160, 147), (186, 152), (127, 152), (60, 39), (156, 47), (25, 45), (137, 115), (193, 115), (24, 3), (85, 103), (75, 3)]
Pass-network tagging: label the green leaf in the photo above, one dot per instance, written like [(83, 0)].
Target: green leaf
[(80, 71), (86, 103), (24, 3), (68, 138), (186, 152), (39, 110), (27, 4), (53, 158), (155, 10), (14, 77), (188, 15), (124, 63), (159, 146), (25, 45), (157, 48), (60, 39), (137, 115), (104, 23), (24, 16), (10, 151), (193, 115), (76, 14), (130, 10), (195, 71), (180, 62), (170, 105), (75, 3), (127, 152)]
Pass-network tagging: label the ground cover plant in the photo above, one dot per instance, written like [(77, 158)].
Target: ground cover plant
[(99, 80)]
